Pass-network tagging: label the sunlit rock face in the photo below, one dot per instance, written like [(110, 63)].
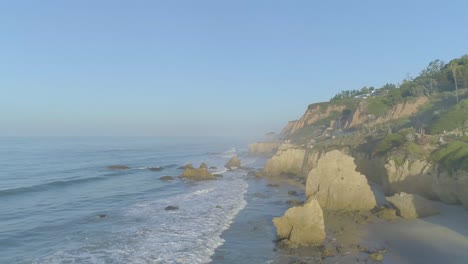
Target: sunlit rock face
[(337, 185)]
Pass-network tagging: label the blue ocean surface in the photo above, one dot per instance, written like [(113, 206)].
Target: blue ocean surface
[(54, 193)]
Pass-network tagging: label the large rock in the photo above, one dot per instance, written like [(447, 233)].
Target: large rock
[(411, 206), (338, 186), (263, 148), (451, 187), (199, 174), (291, 159), (302, 225), (233, 163)]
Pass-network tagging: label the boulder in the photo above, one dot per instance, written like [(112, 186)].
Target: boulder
[(338, 186), (233, 163), (302, 225), (203, 166), (200, 174), (411, 206), (118, 167), (166, 178)]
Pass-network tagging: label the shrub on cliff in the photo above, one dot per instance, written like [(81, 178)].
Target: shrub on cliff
[(452, 156), (389, 142)]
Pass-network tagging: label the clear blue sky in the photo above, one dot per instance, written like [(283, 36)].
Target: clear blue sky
[(112, 67)]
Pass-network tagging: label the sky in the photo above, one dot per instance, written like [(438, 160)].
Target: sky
[(208, 68)]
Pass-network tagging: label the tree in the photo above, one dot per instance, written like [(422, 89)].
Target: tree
[(453, 67)]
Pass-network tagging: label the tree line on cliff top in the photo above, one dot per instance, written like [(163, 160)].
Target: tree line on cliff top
[(437, 77)]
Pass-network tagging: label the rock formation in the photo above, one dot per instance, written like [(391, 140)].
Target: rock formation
[(411, 206), (302, 225), (233, 163), (338, 186), (291, 159), (199, 174), (203, 166), (118, 167)]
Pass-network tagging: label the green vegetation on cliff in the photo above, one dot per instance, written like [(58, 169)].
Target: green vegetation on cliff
[(454, 155), (455, 118)]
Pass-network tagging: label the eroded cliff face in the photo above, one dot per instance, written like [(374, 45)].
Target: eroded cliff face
[(314, 113), (428, 180), (263, 148), (287, 129), (410, 177), (357, 118), (361, 117), (451, 188)]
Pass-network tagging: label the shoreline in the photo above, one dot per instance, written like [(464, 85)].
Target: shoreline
[(352, 237)]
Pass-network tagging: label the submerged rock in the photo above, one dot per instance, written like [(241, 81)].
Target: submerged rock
[(292, 193), (118, 167), (171, 208), (411, 206), (155, 168), (338, 186), (302, 225), (166, 178), (101, 216), (200, 174), (218, 175), (233, 163), (213, 168)]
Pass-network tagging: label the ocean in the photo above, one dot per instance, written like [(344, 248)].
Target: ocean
[(60, 203)]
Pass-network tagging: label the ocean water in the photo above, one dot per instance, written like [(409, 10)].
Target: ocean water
[(52, 191)]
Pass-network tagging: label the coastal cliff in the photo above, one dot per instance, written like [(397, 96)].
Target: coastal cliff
[(263, 148)]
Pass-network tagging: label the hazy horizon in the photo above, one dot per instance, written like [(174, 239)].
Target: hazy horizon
[(205, 68)]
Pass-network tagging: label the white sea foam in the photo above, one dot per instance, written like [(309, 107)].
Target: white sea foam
[(188, 235)]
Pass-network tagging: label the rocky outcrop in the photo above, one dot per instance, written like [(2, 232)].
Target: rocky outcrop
[(233, 163), (337, 185), (411, 206), (302, 225), (203, 166), (200, 174), (263, 148), (451, 187), (291, 159), (118, 167), (413, 176)]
